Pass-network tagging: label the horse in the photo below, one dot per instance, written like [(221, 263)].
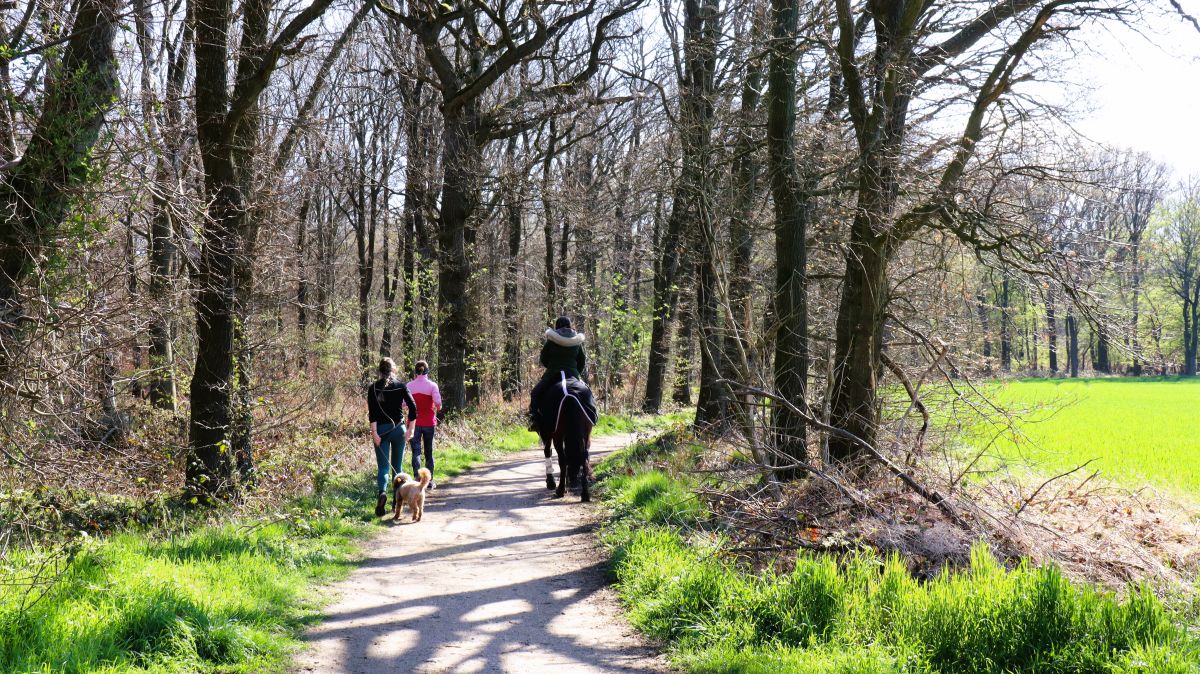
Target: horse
[(567, 426)]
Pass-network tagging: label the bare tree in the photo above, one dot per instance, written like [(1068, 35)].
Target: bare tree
[(1179, 242), (38, 188), (227, 126), (470, 47), (904, 50)]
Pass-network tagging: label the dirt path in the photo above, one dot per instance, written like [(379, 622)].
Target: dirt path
[(497, 577)]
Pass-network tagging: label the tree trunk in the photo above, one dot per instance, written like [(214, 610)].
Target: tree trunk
[(302, 298), (702, 23), (985, 325), (36, 195), (665, 298), (514, 210), (1051, 332), (1072, 343), (548, 226), (416, 250), (227, 133), (168, 167), (686, 353), (1101, 362), (741, 233), (1136, 287), (391, 279), (859, 343), (326, 251), (460, 193), (695, 130), (163, 270), (1005, 324), (791, 225)]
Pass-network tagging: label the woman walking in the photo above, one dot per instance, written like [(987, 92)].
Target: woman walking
[(429, 401), (386, 399)]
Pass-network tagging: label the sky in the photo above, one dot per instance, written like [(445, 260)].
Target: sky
[(1143, 90)]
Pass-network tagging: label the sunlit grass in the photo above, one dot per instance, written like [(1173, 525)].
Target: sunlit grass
[(1138, 431), (862, 613), (228, 598)]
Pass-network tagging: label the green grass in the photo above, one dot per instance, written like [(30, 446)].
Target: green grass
[(1139, 431), (611, 424), (224, 598), (864, 613)]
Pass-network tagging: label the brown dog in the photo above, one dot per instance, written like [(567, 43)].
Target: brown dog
[(411, 492)]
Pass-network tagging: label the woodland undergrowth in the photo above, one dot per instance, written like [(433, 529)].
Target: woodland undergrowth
[(726, 600)]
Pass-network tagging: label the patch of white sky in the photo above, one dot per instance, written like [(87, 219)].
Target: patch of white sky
[(1139, 87)]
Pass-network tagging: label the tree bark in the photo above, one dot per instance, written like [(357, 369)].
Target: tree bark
[(858, 363), (985, 325), (746, 172), (1072, 343), (791, 225), (1101, 362), (1136, 288), (695, 130), (37, 194), (686, 353), (302, 289), (460, 191), (1051, 331), (702, 25), (514, 211), (548, 226), (227, 126), (1005, 324)]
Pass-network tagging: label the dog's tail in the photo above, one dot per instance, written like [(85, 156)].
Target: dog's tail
[(424, 476)]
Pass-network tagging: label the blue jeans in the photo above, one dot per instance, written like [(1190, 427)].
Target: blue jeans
[(422, 433), (389, 455)]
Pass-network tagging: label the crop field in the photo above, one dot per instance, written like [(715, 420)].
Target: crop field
[(1138, 431)]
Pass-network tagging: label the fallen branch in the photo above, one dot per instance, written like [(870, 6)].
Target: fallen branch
[(1043, 485), (927, 494), (912, 395)]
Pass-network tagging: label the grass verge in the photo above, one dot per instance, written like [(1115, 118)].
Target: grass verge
[(863, 613), (221, 598)]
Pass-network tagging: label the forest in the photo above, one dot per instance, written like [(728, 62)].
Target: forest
[(847, 264)]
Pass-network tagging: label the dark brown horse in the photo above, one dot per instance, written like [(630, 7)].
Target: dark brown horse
[(566, 425)]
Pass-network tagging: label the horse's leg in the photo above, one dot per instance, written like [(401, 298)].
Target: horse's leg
[(585, 467), (564, 463), (549, 463), (564, 473)]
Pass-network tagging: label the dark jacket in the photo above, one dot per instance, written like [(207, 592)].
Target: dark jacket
[(563, 351), (386, 401)]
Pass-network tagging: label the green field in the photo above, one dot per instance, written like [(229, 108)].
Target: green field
[(1140, 431)]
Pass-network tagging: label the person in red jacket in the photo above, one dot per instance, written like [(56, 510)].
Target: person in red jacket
[(429, 400)]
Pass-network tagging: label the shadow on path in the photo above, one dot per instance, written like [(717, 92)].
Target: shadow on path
[(497, 577)]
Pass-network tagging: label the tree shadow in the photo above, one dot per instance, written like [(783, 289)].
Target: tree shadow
[(515, 593)]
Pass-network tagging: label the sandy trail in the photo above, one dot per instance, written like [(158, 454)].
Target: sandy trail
[(497, 577)]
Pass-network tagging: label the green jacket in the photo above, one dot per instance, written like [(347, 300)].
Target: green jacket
[(563, 351)]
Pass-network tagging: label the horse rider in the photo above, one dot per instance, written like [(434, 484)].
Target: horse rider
[(562, 354)]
